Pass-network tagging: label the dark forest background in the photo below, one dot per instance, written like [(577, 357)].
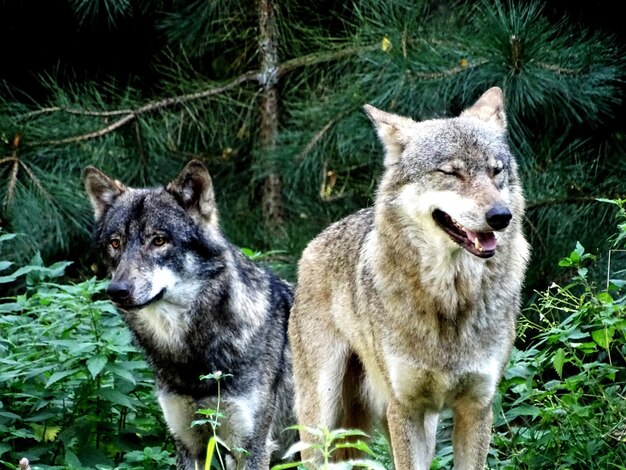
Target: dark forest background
[(269, 94), (281, 178)]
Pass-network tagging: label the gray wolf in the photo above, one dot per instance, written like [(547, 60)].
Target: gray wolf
[(196, 305), (409, 307)]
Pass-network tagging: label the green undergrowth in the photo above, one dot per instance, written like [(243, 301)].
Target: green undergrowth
[(75, 393)]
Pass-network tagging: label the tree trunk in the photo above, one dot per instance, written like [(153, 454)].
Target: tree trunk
[(268, 79)]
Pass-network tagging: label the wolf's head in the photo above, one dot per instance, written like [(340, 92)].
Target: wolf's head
[(451, 178), (158, 243)]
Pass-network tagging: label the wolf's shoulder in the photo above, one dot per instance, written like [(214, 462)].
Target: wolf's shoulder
[(344, 235)]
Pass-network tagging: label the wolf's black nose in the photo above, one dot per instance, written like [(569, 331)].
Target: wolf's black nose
[(498, 217), (118, 291)]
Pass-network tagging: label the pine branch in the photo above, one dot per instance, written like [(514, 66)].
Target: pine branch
[(130, 114), (90, 135), (325, 56)]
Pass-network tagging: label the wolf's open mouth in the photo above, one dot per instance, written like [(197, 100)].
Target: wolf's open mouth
[(481, 244), (156, 298)]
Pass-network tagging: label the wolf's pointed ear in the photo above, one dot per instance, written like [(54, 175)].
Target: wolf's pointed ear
[(101, 189), (193, 189), (489, 108), (393, 131)]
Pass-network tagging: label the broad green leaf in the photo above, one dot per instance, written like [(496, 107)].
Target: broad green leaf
[(96, 364), (605, 298), (579, 250), (5, 265), (558, 359), (115, 397), (604, 336), (121, 372), (45, 433), (11, 307), (4, 448), (60, 375), (7, 236), (360, 445), (523, 410), (8, 414), (71, 460)]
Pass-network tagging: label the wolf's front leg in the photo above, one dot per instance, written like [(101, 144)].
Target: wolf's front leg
[(412, 436), (256, 457), (471, 435), (184, 459), (320, 358)]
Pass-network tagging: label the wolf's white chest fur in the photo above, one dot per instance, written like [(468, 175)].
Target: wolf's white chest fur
[(166, 323), (416, 385), (449, 277)]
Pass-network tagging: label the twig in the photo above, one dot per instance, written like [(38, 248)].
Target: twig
[(567, 200), (90, 135), (451, 71), (318, 136)]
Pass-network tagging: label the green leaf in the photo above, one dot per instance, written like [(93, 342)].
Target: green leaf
[(579, 250), (60, 375), (115, 397), (4, 448), (11, 307), (210, 449), (71, 460), (360, 445), (558, 360), (523, 410), (605, 298), (299, 447), (343, 433), (96, 364), (284, 466), (604, 336), (5, 265), (7, 236), (120, 371)]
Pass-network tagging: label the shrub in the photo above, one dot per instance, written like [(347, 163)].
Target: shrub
[(564, 395), (74, 391)]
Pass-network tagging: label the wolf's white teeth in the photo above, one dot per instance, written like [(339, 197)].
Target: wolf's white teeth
[(477, 244)]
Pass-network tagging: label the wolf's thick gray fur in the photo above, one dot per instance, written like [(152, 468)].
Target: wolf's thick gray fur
[(409, 307), (196, 305)]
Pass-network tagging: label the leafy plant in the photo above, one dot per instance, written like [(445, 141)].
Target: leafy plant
[(213, 417), (329, 442), (74, 391), (564, 395)]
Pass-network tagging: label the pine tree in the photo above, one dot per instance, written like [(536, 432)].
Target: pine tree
[(270, 93)]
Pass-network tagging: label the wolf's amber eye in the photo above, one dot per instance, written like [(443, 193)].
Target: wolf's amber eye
[(158, 241), (115, 243)]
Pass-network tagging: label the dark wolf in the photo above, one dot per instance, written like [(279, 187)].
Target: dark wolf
[(196, 305), (409, 307)]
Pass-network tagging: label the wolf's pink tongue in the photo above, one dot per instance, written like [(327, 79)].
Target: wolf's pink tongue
[(487, 240)]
